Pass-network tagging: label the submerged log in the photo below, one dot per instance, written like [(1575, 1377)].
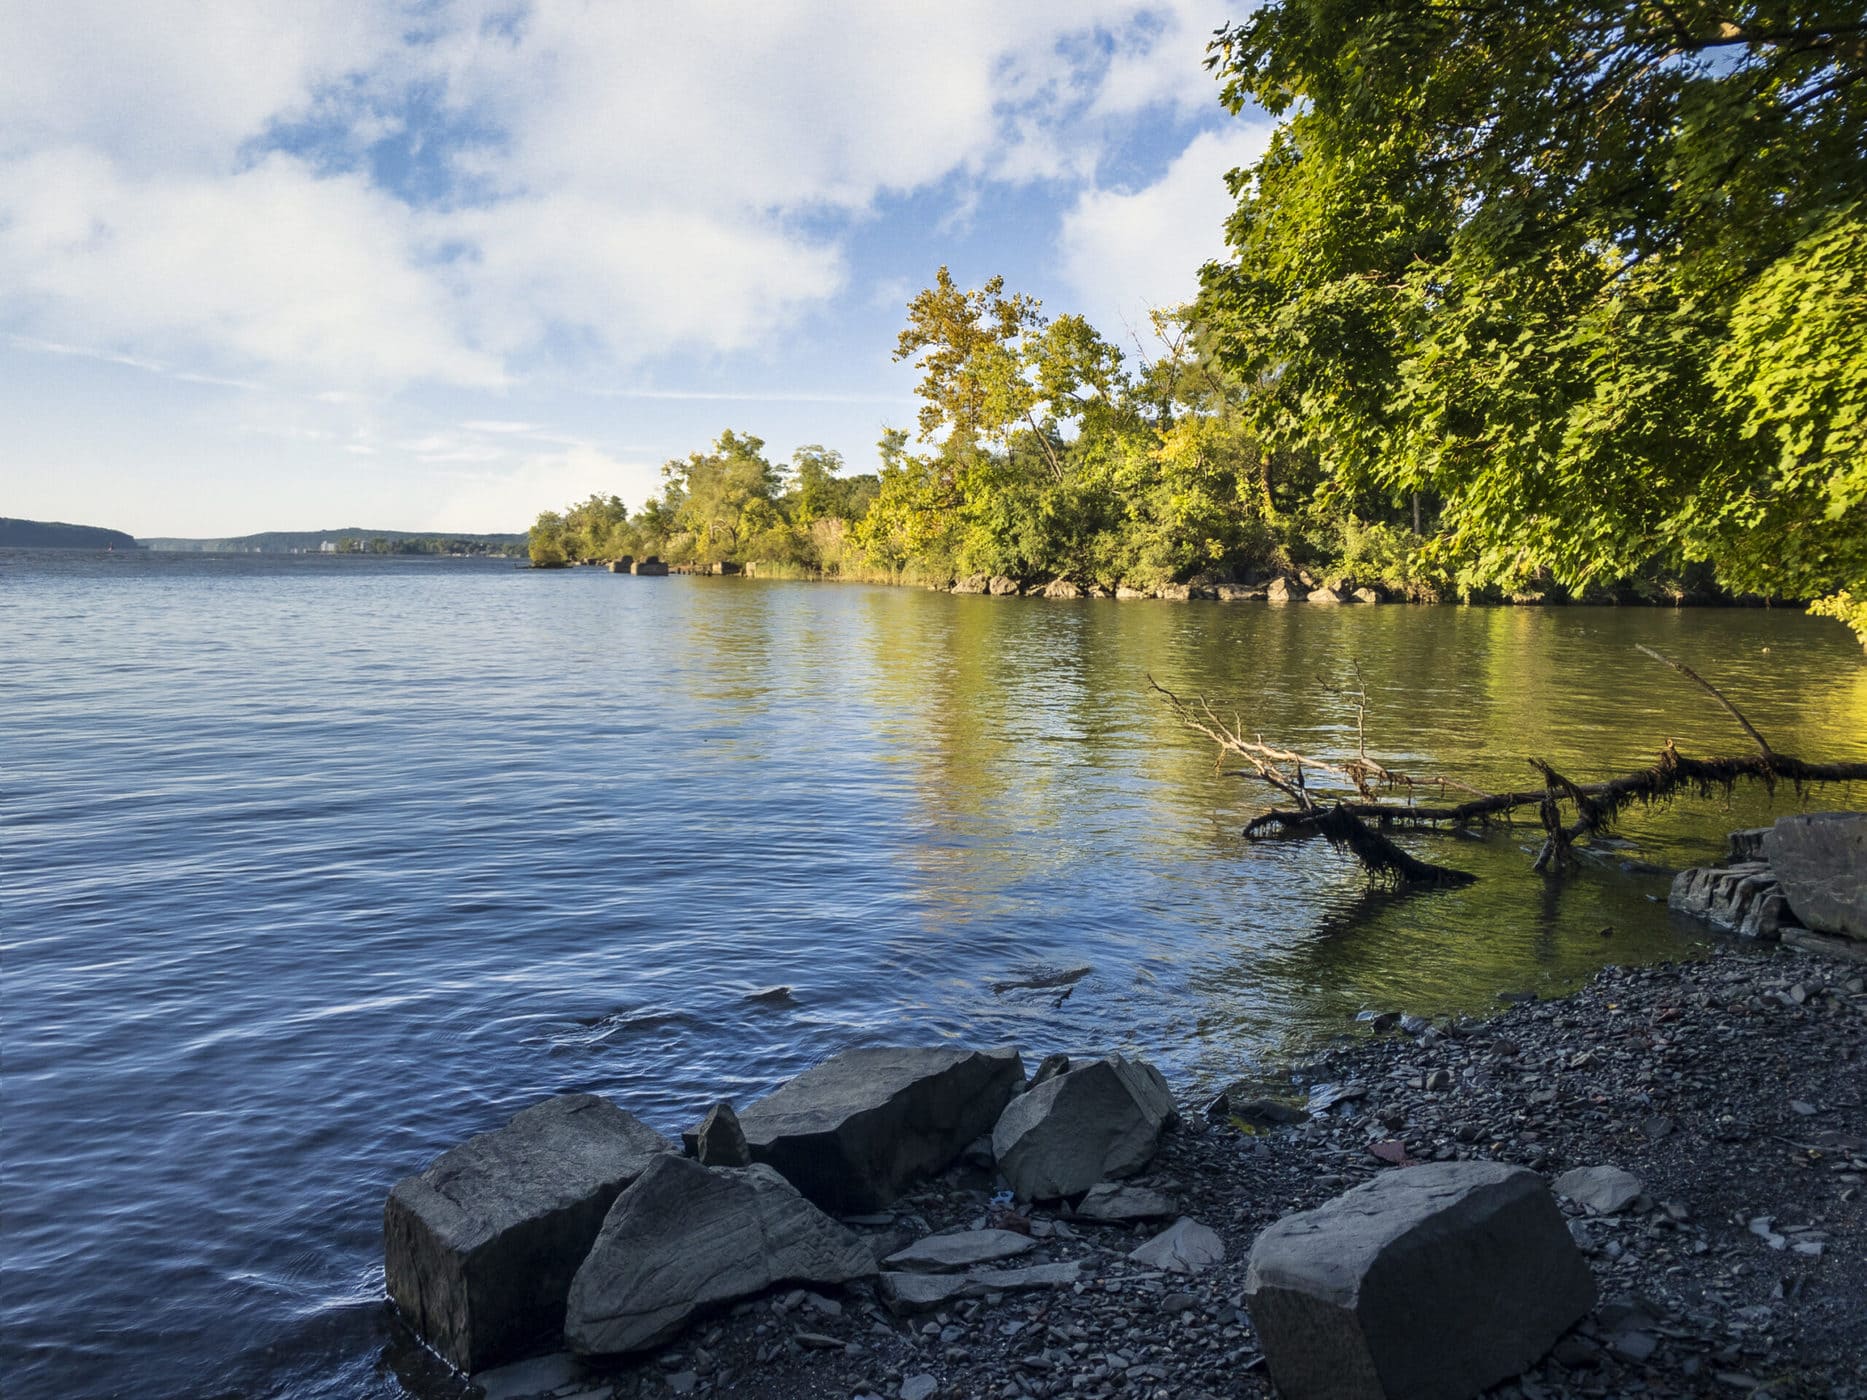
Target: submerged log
[(1371, 799)]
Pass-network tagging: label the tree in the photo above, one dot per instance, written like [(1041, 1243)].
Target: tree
[(1545, 263), (717, 489)]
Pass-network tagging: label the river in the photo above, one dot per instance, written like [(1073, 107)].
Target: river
[(314, 866)]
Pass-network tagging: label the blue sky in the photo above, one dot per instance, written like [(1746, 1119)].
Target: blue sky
[(443, 265)]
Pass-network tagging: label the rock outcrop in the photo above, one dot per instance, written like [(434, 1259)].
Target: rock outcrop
[(1744, 898), (480, 1249), (1000, 586), (1820, 858), (1430, 1282), (1281, 590), (685, 1237), (1099, 1120), (856, 1129), (1062, 588)]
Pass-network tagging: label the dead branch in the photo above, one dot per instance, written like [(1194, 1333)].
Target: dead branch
[(1384, 798)]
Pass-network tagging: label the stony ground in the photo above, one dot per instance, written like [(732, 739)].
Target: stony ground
[(1735, 1089)]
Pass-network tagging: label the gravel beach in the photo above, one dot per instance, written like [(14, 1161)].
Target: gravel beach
[(1734, 1089)]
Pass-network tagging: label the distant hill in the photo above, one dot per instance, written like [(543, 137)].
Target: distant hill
[(55, 534), (349, 540)]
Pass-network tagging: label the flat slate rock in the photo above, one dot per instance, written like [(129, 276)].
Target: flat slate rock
[(1184, 1247), (1114, 1204), (853, 1132), (1430, 1283), (1820, 858), (480, 1248), (943, 1254), (685, 1238), (1603, 1190), (1099, 1120), (906, 1292)]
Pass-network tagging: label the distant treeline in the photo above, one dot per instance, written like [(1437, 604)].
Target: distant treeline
[(348, 541), (55, 534)]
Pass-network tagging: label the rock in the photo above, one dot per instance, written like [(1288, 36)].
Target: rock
[(1281, 590), (649, 568), (972, 583), (1125, 592), (906, 1293), (1821, 860), (1327, 595), (1237, 593), (1114, 1204), (944, 1254), (1174, 592), (1367, 595), (1049, 1068), (1032, 1276), (1101, 1119), (479, 1249), (1184, 1247), (685, 1237), (1062, 588), (719, 1141), (1853, 950), (853, 1131), (1603, 1190), (1002, 587), (1747, 844), (1257, 1113), (1432, 1282), (1744, 898), (919, 1387)]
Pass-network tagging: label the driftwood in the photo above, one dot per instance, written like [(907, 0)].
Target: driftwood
[(1353, 802)]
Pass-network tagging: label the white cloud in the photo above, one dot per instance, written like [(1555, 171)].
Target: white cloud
[(1126, 252), (510, 498), (273, 265)]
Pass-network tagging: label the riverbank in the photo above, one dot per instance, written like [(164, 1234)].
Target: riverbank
[(1731, 1088)]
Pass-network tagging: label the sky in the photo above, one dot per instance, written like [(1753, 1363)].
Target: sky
[(444, 265)]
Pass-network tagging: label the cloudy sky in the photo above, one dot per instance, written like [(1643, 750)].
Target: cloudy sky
[(442, 265)]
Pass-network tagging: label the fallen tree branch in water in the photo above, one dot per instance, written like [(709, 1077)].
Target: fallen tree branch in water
[(1385, 799)]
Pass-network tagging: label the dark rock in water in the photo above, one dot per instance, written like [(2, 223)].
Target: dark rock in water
[(856, 1129), (771, 996), (479, 1249), (1744, 898), (1049, 1068), (686, 1237), (1000, 586), (1431, 1282), (1099, 1120), (719, 1141), (1254, 1110), (1821, 860)]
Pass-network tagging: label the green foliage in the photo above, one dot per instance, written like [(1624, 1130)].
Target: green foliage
[(1587, 275)]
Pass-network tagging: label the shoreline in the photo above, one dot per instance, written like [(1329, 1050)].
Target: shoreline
[(1731, 1086)]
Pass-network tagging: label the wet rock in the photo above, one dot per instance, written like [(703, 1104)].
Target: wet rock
[(1430, 1282), (685, 1237), (943, 1254), (1185, 1247), (1174, 592), (1001, 586), (480, 1248), (972, 583), (1281, 590), (1327, 595), (1237, 593), (1368, 595), (1062, 588), (1099, 1120), (1745, 898), (1602, 1190), (853, 1131), (1821, 860)]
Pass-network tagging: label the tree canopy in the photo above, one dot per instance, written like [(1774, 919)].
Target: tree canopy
[(1591, 277)]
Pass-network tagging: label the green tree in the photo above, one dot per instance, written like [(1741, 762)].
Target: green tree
[(1545, 264)]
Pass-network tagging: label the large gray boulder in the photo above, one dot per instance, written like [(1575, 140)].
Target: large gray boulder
[(1102, 1119), (851, 1133), (1427, 1283), (686, 1237), (480, 1248), (1820, 858)]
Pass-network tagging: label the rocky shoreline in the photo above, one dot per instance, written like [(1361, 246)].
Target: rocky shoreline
[(1733, 1091)]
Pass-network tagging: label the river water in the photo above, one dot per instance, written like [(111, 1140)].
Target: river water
[(313, 867)]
